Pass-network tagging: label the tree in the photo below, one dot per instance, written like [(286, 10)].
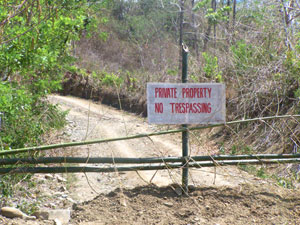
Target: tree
[(180, 44), (195, 30), (35, 39), (290, 10), (233, 17), (214, 16)]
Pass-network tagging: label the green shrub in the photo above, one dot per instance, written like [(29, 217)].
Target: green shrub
[(23, 119), (112, 80), (211, 67), (244, 56)]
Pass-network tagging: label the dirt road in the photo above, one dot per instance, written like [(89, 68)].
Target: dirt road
[(218, 197), (88, 120)]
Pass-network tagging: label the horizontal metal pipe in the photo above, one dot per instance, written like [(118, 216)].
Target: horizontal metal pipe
[(143, 167), (97, 141), (95, 160)]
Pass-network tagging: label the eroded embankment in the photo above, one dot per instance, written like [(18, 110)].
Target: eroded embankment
[(86, 87)]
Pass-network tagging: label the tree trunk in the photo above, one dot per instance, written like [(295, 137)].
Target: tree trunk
[(233, 18), (195, 41), (214, 6), (227, 29), (228, 17), (206, 37), (208, 31), (181, 14), (286, 24)]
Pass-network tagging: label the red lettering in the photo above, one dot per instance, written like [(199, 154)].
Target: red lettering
[(201, 92), (183, 92), (172, 104), (165, 92), (177, 108), (159, 108), (186, 107), (175, 92), (209, 92), (196, 92), (209, 108)]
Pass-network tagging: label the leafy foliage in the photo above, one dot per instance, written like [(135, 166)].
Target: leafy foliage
[(35, 51), (35, 39), (112, 80), (219, 15), (244, 55), (24, 121), (213, 16), (211, 67)]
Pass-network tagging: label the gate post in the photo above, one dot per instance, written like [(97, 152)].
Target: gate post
[(185, 134)]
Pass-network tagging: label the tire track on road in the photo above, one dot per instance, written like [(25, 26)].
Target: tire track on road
[(105, 122)]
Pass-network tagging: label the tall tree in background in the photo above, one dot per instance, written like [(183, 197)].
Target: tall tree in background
[(209, 26), (214, 7), (195, 30), (233, 18), (290, 11), (228, 18), (181, 19)]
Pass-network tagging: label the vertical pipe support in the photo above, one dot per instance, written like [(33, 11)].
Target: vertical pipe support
[(185, 134)]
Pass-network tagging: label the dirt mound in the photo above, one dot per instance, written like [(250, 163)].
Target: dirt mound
[(245, 204)]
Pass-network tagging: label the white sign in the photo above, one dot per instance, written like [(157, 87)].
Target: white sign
[(189, 103)]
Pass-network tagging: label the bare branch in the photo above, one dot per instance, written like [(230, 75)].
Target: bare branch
[(15, 14)]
